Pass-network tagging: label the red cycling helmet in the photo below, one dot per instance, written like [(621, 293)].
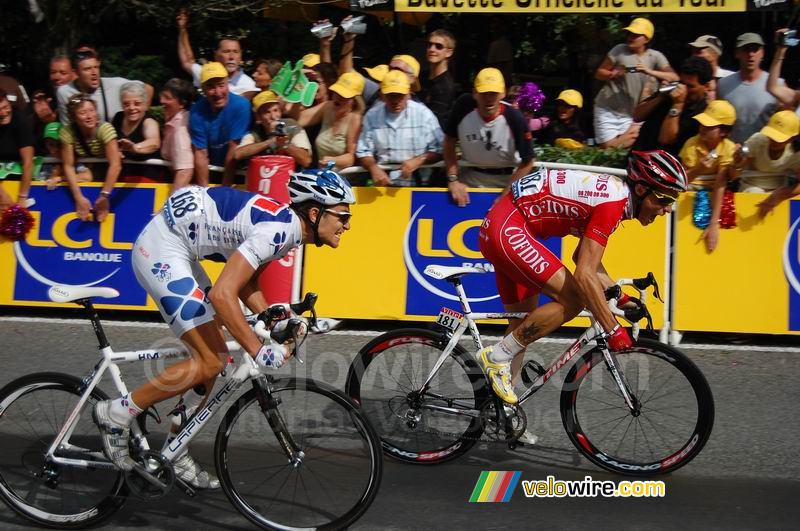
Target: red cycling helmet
[(658, 170)]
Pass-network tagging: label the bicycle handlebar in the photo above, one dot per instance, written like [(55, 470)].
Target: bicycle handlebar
[(639, 310)]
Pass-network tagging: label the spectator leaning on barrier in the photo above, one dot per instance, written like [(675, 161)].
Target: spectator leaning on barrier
[(711, 151), (16, 145), (709, 47), (138, 136), (88, 136), (625, 71), (228, 53), (771, 158), (104, 91), (401, 131), (217, 123), (439, 90), (747, 88), (176, 147), (669, 116), (340, 121), (491, 133), (566, 123), (272, 135)]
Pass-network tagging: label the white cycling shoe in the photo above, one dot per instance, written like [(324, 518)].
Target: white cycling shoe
[(528, 437), (115, 436), (190, 471)]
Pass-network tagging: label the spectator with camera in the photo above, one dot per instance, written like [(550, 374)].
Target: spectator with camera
[(176, 147), (668, 114), (217, 123), (400, 131), (104, 91), (228, 53), (746, 89), (625, 71), (138, 135), (492, 134), (272, 135), (86, 135), (16, 145), (786, 96)]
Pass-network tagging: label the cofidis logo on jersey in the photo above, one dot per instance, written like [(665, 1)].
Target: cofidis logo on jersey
[(61, 249), (791, 264), (439, 232)]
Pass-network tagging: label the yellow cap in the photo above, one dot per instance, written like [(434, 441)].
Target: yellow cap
[(212, 70), (349, 85), (718, 112), (310, 60), (641, 26), (782, 126), (413, 64), (262, 98), (377, 72), (571, 97), (568, 143), (490, 80), (395, 82)]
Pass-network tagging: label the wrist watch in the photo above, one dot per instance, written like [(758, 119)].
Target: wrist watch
[(674, 112), (452, 178)]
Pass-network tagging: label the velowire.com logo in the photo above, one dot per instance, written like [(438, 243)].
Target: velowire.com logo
[(495, 486)]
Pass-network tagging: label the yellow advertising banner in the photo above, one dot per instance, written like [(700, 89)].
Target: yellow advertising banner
[(572, 6), (744, 285), (377, 271)]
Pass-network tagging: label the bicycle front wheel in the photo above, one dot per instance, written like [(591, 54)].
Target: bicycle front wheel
[(32, 411), (419, 426), (671, 426), (337, 471)]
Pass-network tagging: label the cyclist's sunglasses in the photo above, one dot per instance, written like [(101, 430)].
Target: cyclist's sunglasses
[(664, 199), (344, 217)]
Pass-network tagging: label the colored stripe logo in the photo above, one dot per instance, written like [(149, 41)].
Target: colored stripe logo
[(495, 486)]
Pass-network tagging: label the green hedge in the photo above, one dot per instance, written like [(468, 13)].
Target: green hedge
[(590, 156)]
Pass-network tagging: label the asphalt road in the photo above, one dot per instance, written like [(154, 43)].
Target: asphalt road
[(745, 478)]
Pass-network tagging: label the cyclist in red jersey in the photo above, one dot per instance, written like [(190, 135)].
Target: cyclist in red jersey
[(552, 202)]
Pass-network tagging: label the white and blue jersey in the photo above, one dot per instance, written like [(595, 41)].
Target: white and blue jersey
[(207, 224)]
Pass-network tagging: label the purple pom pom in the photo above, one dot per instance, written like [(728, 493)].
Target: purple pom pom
[(16, 222), (530, 98)]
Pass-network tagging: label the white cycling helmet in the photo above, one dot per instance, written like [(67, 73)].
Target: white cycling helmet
[(323, 186)]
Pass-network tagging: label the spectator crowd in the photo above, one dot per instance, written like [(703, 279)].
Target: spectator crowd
[(732, 129)]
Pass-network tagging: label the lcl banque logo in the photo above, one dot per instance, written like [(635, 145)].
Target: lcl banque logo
[(791, 264)]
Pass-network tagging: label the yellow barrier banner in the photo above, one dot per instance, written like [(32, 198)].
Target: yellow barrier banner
[(578, 6), (377, 271), (746, 284)]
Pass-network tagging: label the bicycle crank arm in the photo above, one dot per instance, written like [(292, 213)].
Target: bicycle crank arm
[(149, 477)]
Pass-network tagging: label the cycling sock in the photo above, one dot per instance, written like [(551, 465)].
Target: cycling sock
[(505, 351), (123, 410)]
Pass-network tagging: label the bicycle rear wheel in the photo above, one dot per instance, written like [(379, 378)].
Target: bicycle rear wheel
[(338, 473), (419, 428), (675, 418), (32, 411)]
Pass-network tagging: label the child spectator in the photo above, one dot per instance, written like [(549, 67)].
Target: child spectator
[(52, 173), (708, 155), (272, 135), (138, 135), (87, 136), (566, 123), (176, 147)]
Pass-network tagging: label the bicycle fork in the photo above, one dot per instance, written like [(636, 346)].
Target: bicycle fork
[(269, 406), (622, 383)]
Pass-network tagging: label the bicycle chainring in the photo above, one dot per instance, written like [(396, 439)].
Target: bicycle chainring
[(154, 477)]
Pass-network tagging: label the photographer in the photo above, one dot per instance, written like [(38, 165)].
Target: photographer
[(668, 114), (272, 135), (784, 38)]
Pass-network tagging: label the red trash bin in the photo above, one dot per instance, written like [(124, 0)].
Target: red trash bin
[(269, 176)]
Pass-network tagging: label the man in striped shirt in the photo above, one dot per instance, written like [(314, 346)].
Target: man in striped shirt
[(401, 131)]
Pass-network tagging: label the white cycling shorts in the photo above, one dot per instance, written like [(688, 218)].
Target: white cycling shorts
[(166, 268)]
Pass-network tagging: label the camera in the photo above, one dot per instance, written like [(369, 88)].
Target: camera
[(354, 25), (669, 87), (280, 129), (743, 151), (631, 69), (322, 30), (789, 38)]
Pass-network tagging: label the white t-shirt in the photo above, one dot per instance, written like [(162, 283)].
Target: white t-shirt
[(753, 104), (239, 83), (106, 109)]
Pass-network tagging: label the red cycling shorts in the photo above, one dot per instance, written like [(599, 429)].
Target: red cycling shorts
[(522, 264)]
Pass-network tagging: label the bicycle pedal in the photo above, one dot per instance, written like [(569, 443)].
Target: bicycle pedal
[(534, 366)]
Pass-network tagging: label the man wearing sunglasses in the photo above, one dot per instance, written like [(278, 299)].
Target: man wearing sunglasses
[(439, 90), (551, 202)]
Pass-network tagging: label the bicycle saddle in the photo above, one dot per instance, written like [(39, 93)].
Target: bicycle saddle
[(446, 273), (61, 293)]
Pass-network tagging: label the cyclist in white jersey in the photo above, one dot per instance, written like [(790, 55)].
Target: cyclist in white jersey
[(246, 231)]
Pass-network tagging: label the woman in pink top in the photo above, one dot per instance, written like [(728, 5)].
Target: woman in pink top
[(176, 147)]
